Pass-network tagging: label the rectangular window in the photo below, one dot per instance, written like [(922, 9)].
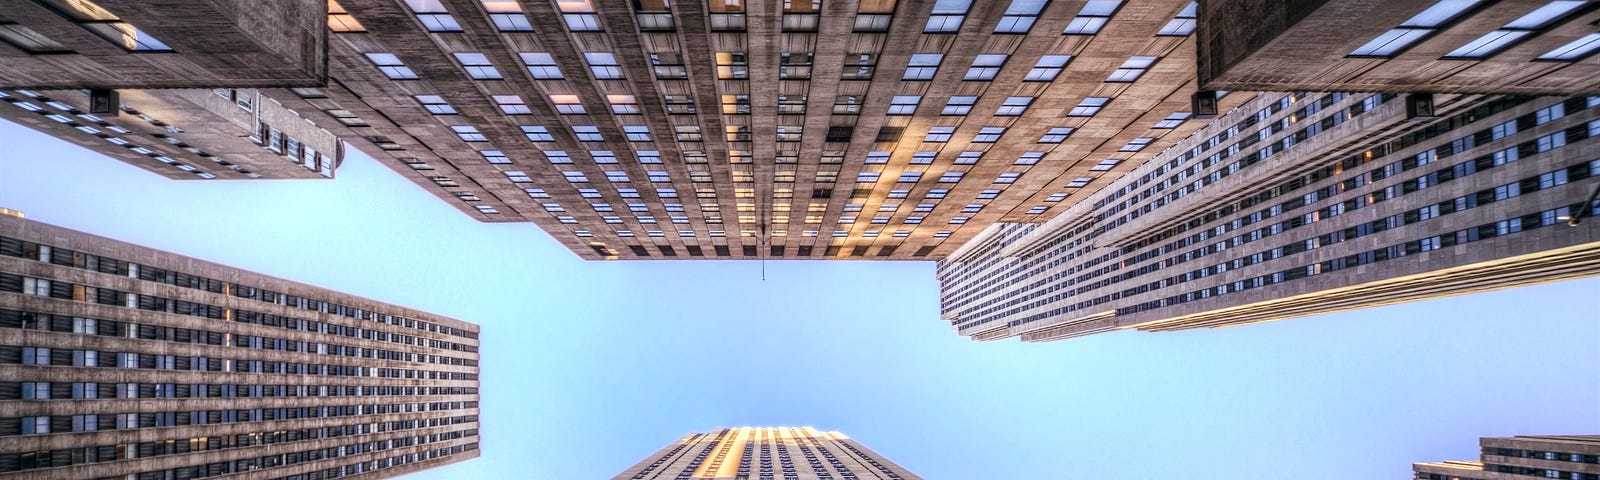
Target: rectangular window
[(636, 133), (1514, 31), (1105, 165), (1088, 107), (469, 133), (477, 66), (603, 65), (587, 133), (1132, 69), (433, 16), (579, 15), (495, 157), (732, 66), (567, 104), (435, 104), (1092, 17), (922, 66), (794, 66), (1048, 67), (1172, 121), (391, 66), (1013, 106), (858, 66), (947, 16), (507, 15), (904, 104), (1019, 16), (1181, 25), (512, 105), (939, 134), (1056, 135), (959, 105), (541, 65), (1419, 26), (623, 104), (985, 67), (537, 133), (668, 66), (989, 134)]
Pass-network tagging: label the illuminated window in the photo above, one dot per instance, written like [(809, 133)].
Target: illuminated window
[(567, 104), (623, 104), (732, 66), (578, 15), (340, 20)]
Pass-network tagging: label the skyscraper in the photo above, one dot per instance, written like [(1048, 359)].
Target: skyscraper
[(120, 361), (766, 453), (1299, 204), (1574, 457)]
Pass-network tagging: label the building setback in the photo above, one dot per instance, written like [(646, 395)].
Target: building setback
[(1300, 204), (766, 453), (1574, 457), (1528, 47), (120, 361)]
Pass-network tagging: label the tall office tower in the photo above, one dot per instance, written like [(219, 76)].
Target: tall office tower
[(120, 361), (1575, 457), (766, 453), (1529, 47), (1300, 204), (871, 129)]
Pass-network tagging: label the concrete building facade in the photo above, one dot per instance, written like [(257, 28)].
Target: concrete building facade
[(1569, 457), (138, 44), (875, 129), (1299, 204), (766, 453), (120, 361), (1528, 47)]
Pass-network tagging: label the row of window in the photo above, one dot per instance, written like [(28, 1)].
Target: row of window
[(119, 140), (92, 390), (1425, 24), (15, 247)]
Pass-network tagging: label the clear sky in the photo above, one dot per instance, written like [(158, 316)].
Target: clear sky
[(588, 367)]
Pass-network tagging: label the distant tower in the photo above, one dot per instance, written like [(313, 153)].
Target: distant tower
[(766, 453)]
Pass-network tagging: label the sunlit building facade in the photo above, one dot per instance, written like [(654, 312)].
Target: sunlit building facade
[(766, 453), (1300, 204), (1567, 457), (124, 362)]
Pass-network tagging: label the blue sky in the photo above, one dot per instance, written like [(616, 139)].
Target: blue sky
[(589, 367)]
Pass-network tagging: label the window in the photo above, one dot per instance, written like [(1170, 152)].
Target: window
[(512, 105), (989, 134), (858, 66), (1416, 28), (791, 104), (1136, 144), (636, 133), (738, 104), (339, 20), (1079, 182), (587, 133), (1056, 197), (794, 66), (947, 16), (1013, 106), (904, 104), (1105, 165), (507, 15), (1056, 135), (985, 67), (959, 105), (923, 157), (789, 133), (495, 156), (541, 65), (477, 66), (537, 133), (90, 16), (922, 66), (732, 66), (1019, 16), (1181, 25), (578, 15), (1575, 50), (567, 104), (949, 177), (435, 104), (1048, 67), (939, 134), (648, 156), (668, 66), (575, 177), (469, 133), (1029, 158), (867, 177), (1092, 17), (736, 133), (679, 104), (910, 177), (433, 16), (878, 157), (391, 67), (603, 65), (623, 104), (687, 133), (969, 157), (1089, 107), (1172, 121), (616, 176), (847, 105), (938, 193), (1008, 177), (1495, 41), (1132, 69), (874, 16), (556, 156), (839, 134)]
